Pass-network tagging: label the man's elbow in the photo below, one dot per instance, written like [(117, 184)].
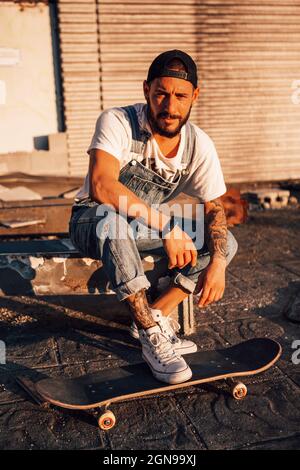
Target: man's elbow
[(96, 190), (213, 206), (101, 190)]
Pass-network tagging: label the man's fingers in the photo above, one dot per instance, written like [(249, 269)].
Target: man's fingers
[(209, 300), (204, 297), (187, 258), (220, 295), (214, 296), (190, 257), (199, 284), (183, 258), (172, 261), (194, 256), (180, 260)]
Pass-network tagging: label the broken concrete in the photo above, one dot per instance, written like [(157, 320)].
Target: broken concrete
[(18, 193), (51, 216), (269, 198)]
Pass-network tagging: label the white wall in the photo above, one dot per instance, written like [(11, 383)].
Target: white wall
[(27, 89)]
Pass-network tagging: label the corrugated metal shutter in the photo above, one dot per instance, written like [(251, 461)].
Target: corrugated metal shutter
[(248, 58), (132, 33), (79, 40)]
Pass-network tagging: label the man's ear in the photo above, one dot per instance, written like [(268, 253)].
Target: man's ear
[(146, 88), (195, 94)]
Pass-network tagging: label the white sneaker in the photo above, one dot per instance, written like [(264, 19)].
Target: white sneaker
[(169, 326), (165, 363)]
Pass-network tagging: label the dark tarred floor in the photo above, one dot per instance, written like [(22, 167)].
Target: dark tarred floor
[(50, 338)]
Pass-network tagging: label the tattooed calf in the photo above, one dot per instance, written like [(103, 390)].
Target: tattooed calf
[(140, 310)]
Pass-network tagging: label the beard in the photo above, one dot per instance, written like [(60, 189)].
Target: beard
[(160, 130)]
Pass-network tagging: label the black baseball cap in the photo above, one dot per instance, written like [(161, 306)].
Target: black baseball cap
[(159, 67)]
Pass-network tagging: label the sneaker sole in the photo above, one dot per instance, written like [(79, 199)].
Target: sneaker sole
[(176, 378)]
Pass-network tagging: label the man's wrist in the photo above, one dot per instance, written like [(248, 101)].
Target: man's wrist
[(168, 227), (217, 258)]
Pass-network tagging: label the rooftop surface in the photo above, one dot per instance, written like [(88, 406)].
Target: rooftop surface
[(69, 336)]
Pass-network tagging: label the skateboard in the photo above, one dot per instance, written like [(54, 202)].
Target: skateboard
[(100, 389)]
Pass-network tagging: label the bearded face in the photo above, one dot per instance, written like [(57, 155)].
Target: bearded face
[(170, 101)]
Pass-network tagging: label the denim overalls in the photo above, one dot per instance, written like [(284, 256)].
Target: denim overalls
[(91, 233), (139, 178)]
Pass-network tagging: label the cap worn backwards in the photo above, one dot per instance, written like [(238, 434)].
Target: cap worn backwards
[(159, 67)]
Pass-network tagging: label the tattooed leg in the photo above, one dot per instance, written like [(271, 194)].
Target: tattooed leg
[(140, 310)]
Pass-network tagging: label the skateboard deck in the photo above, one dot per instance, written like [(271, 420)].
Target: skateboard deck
[(131, 381)]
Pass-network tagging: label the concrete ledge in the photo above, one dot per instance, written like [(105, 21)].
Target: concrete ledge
[(39, 162), (54, 267)]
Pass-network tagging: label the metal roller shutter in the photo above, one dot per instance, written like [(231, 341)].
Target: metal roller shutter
[(248, 57), (79, 41), (132, 33)]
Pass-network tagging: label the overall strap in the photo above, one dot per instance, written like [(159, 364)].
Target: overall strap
[(190, 142), (139, 135)]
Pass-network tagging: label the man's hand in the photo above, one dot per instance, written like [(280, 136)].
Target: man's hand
[(212, 283), (180, 249)]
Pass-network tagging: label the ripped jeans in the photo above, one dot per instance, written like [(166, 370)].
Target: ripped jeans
[(111, 239)]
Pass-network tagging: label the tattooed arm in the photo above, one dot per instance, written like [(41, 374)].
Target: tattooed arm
[(212, 279), (216, 229)]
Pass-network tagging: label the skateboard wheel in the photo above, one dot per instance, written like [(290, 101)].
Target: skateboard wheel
[(107, 420), (239, 391)]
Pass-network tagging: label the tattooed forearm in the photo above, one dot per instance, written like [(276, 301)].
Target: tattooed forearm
[(140, 310), (216, 228)]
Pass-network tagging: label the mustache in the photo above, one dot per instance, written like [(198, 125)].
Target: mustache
[(168, 116)]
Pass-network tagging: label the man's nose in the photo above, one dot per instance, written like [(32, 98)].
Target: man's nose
[(171, 104)]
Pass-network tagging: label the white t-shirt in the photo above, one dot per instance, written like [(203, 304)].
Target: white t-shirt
[(113, 135)]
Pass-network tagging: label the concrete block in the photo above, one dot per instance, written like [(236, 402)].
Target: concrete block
[(58, 143), (49, 163), (40, 162), (186, 315), (270, 198)]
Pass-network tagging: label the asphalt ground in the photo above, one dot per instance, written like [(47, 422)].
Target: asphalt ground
[(46, 337)]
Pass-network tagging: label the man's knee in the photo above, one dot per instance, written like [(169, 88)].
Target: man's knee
[(232, 247)]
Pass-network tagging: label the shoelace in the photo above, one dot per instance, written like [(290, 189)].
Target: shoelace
[(163, 348), (172, 325)]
